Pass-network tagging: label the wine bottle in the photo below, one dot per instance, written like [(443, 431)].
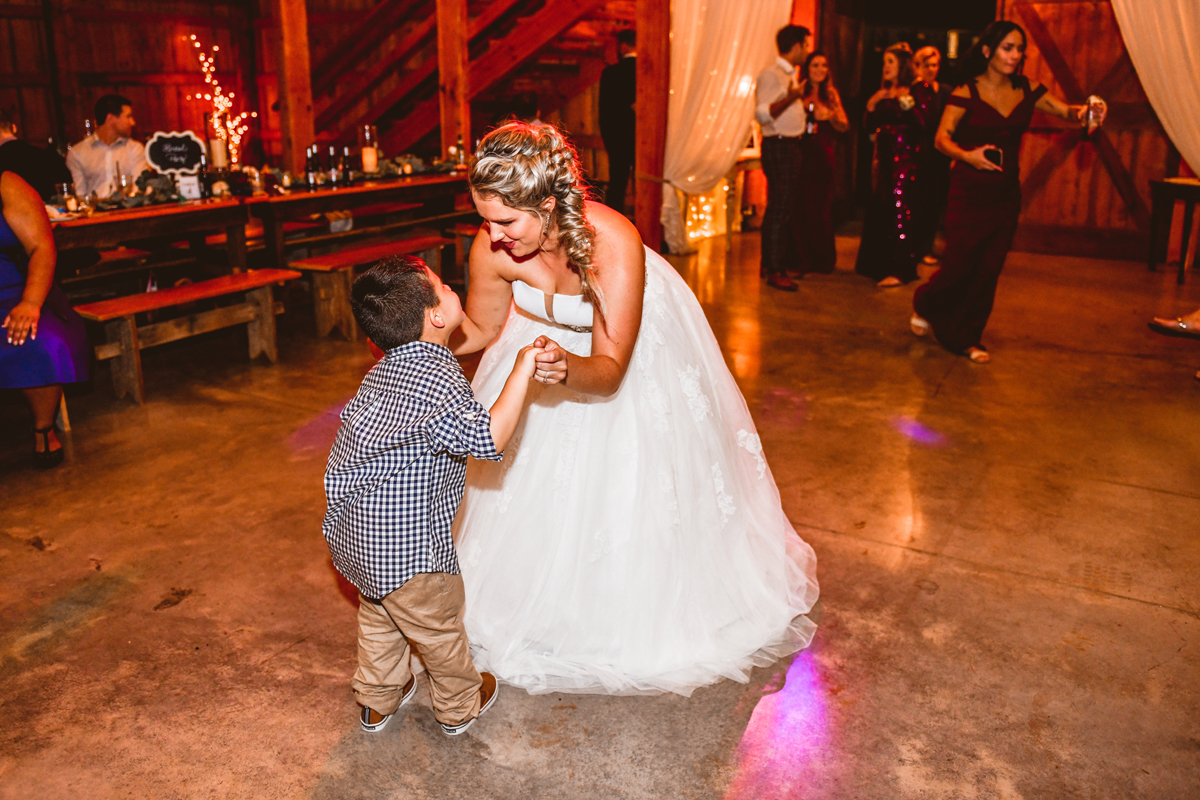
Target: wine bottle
[(205, 178), (460, 155), (310, 167), (335, 169)]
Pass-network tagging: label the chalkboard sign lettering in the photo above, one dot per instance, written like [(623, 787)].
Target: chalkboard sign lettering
[(175, 153)]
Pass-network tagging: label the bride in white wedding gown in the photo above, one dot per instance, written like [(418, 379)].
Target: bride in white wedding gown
[(632, 540)]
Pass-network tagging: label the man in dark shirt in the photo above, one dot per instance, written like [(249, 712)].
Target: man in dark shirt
[(41, 169), (618, 91)]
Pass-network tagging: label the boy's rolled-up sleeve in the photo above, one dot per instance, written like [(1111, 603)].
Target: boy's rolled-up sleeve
[(464, 428)]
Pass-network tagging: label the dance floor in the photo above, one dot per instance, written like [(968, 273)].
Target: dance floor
[(1009, 558)]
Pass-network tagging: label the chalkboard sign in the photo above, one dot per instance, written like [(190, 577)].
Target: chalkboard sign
[(175, 153)]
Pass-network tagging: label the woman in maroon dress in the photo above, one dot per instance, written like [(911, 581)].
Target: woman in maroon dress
[(824, 112), (898, 114), (981, 131)]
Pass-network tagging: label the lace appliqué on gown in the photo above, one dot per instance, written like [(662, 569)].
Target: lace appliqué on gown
[(753, 446), (689, 379)]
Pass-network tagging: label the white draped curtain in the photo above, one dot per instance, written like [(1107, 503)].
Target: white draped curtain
[(1163, 39), (718, 47)]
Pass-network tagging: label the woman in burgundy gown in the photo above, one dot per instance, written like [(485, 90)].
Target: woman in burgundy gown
[(825, 115), (981, 131), (898, 113)]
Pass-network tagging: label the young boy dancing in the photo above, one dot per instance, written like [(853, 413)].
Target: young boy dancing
[(394, 482)]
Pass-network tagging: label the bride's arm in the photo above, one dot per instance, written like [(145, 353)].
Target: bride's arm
[(621, 270), (488, 300)]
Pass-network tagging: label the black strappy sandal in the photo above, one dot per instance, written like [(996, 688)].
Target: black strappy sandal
[(47, 458)]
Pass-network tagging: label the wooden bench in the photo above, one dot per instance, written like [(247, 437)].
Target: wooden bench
[(333, 275), (125, 340), (383, 209), (254, 233)]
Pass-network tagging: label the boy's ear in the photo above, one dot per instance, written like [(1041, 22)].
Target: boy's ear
[(435, 318)]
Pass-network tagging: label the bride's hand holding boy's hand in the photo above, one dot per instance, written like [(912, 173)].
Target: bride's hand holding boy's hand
[(551, 361)]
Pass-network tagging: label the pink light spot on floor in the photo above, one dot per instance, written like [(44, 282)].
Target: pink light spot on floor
[(783, 747), (318, 432)]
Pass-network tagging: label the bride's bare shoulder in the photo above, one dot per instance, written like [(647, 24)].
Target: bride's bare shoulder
[(617, 240)]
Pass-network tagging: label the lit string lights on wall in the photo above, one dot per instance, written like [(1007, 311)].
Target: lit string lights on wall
[(229, 128), (705, 215)]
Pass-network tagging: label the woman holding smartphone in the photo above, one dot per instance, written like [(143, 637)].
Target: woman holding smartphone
[(981, 132)]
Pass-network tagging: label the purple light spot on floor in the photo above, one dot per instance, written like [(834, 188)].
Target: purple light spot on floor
[(318, 432), (918, 431), (785, 744)]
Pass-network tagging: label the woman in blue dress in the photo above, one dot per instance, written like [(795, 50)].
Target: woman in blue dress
[(44, 343)]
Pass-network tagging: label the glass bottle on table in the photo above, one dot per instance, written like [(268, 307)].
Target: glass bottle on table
[(205, 178), (310, 167), (218, 151), (370, 149), (336, 169)]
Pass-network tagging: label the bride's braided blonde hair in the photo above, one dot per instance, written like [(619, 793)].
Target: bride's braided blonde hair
[(522, 164)]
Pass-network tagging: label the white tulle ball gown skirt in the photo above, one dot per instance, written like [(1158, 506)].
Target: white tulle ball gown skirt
[(633, 543)]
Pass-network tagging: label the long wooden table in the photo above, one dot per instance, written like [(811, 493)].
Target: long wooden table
[(111, 228), (435, 192)]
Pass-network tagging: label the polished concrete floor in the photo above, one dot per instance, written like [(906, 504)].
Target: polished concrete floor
[(1009, 560)]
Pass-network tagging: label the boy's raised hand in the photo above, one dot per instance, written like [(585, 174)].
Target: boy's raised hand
[(506, 411), (526, 360)]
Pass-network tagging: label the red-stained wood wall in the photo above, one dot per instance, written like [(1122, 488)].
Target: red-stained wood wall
[(1086, 195), (57, 57)]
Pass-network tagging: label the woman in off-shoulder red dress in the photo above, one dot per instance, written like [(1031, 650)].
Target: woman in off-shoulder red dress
[(981, 131)]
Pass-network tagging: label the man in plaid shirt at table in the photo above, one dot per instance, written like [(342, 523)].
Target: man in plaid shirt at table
[(394, 481)]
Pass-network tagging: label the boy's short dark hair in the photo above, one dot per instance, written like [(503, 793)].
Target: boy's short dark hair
[(110, 104), (789, 36), (390, 300)]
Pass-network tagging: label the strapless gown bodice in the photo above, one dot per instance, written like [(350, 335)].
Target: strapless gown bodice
[(568, 310)]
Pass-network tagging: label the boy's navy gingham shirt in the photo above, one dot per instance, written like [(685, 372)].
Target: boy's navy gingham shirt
[(398, 468)]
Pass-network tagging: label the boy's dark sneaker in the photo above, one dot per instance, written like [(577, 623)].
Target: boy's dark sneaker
[(487, 696), (373, 722)]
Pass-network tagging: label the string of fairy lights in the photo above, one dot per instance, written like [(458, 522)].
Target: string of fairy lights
[(227, 127)]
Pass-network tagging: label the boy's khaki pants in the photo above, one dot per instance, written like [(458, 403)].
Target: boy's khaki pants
[(426, 612)]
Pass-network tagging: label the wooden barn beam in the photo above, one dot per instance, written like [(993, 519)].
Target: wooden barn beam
[(453, 98), (653, 94), (381, 22), (492, 66), (295, 82), (330, 117), (358, 86)]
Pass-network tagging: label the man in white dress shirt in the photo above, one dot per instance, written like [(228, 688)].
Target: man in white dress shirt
[(782, 118), (96, 161)]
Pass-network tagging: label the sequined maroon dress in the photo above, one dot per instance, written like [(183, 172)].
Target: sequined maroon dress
[(981, 219), (889, 240)]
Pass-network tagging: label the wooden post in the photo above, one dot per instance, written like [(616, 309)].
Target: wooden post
[(261, 331), (127, 366), (653, 93), (453, 95), (295, 82)]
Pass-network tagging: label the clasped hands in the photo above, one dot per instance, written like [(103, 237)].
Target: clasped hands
[(550, 365)]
